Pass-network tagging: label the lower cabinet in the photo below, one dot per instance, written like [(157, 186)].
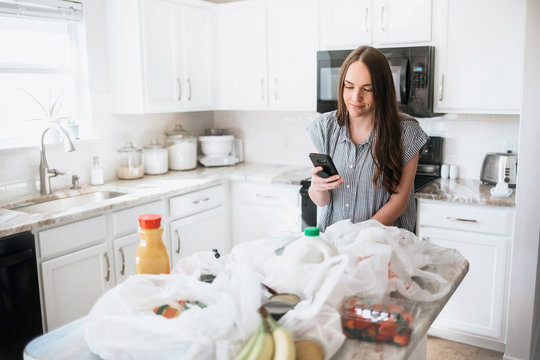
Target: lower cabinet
[(260, 209), (476, 312), (200, 232), (72, 283)]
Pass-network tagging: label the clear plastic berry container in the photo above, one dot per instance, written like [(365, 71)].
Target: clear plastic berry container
[(389, 320)]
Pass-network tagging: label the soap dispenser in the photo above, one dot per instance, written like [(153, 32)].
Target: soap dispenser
[(96, 173)]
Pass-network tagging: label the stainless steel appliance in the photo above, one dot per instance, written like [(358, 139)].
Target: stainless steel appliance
[(20, 309), (500, 167), (412, 71), (429, 163)]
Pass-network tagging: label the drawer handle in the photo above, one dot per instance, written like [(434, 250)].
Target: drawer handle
[(107, 277), (461, 219), (123, 261), (178, 238), (266, 196), (200, 201)]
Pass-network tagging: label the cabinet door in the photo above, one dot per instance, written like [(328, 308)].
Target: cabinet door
[(197, 43), (72, 284), (124, 256), (292, 48), (480, 60), (477, 306), (345, 24), (397, 21), (161, 36), (201, 232), (242, 57)]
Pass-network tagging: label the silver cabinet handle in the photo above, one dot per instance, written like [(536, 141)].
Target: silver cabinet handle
[(262, 196), (179, 88), (366, 20), (262, 89), (189, 88), (108, 276), (178, 238), (275, 88), (441, 88), (200, 201), (451, 218), (382, 19), (122, 271)]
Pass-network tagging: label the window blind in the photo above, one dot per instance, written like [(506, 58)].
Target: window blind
[(63, 10)]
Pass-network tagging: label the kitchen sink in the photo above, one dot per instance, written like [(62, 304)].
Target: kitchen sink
[(63, 204)]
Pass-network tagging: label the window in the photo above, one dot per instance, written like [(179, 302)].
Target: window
[(41, 77)]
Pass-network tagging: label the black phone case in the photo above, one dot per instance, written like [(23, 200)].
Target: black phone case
[(329, 169)]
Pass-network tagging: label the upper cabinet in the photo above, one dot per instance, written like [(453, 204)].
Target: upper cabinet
[(479, 56), (160, 55), (347, 24), (267, 55)]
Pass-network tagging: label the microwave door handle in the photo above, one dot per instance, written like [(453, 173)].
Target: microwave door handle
[(403, 80)]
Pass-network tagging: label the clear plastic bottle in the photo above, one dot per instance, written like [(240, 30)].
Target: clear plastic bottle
[(96, 173), (311, 248), (151, 256)]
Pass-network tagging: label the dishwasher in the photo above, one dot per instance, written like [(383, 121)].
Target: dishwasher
[(20, 309)]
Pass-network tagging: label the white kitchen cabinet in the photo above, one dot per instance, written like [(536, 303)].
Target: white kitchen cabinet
[(260, 209), (293, 40), (479, 56), (160, 55), (267, 55), (199, 222), (200, 232), (347, 24), (242, 57), (75, 269), (476, 312), (72, 283)]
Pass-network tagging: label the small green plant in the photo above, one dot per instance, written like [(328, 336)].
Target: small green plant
[(51, 111)]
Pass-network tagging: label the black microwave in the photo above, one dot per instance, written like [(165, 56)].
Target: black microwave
[(412, 71)]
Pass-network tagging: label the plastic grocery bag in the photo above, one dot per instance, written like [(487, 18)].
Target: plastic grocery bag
[(122, 324)]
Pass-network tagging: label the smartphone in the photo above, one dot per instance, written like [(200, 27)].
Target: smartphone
[(329, 169)]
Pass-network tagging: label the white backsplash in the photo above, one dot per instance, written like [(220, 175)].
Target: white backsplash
[(273, 137)]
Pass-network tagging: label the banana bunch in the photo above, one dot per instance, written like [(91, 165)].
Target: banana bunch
[(269, 342)]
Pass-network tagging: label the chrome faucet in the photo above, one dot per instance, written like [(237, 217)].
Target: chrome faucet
[(45, 174)]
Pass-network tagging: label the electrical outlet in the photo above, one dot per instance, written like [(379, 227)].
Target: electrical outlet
[(510, 145)]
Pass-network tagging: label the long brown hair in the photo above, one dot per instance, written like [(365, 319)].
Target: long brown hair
[(386, 148)]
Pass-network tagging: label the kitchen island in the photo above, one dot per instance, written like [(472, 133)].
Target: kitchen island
[(68, 342)]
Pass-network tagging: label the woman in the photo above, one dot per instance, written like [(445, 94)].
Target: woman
[(374, 147)]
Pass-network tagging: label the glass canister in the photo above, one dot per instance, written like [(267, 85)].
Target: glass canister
[(182, 148), (129, 162), (155, 158)]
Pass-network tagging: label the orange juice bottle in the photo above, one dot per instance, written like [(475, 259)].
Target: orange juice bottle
[(151, 256)]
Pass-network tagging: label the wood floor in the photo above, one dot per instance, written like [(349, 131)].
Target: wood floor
[(440, 349)]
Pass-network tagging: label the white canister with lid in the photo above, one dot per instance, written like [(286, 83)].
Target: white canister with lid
[(182, 149), (155, 158)]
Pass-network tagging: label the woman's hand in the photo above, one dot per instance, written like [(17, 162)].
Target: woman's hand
[(319, 189), (322, 184)]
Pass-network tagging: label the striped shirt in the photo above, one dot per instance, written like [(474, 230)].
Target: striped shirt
[(357, 198)]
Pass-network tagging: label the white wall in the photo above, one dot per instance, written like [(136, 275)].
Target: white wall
[(524, 308)]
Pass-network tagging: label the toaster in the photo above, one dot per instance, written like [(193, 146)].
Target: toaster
[(500, 167)]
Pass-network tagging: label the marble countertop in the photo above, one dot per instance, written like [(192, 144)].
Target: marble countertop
[(140, 191), (154, 187), (466, 191), (67, 342)]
